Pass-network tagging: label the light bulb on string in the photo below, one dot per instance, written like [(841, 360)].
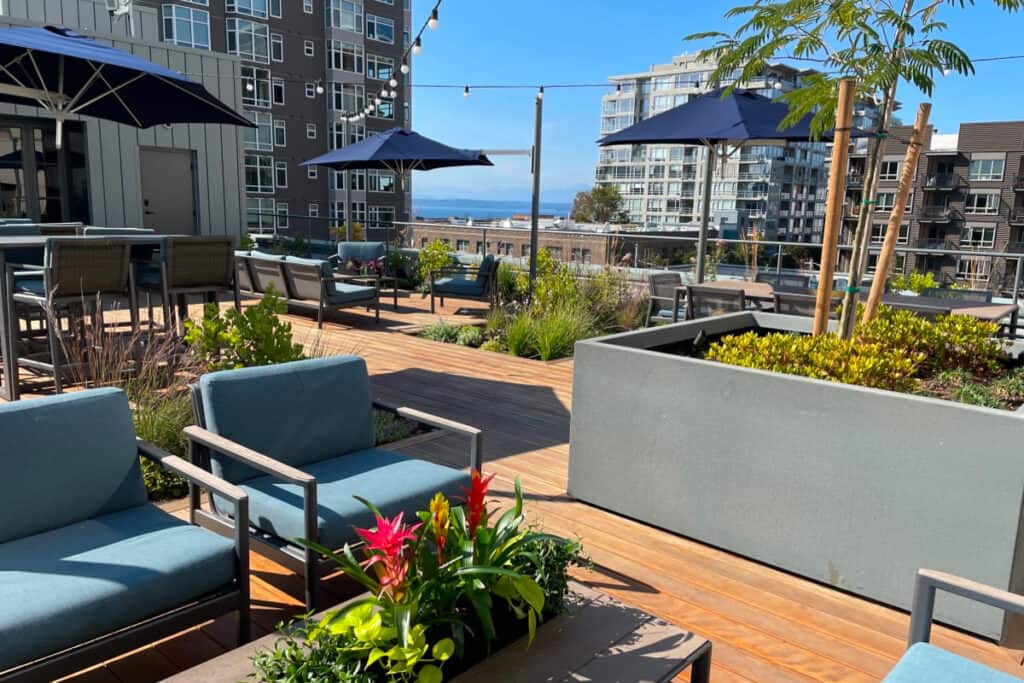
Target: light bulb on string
[(377, 101), (249, 86), (319, 87), (393, 94), (393, 83), (405, 66), (540, 93), (432, 23), (383, 92), (417, 46), (465, 92)]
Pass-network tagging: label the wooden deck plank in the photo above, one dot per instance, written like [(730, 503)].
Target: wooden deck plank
[(766, 625)]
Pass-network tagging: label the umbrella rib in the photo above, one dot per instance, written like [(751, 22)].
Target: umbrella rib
[(113, 91), (42, 82), (17, 81), (72, 105)]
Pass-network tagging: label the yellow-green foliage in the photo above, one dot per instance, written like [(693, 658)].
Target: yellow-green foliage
[(915, 282), (890, 352), (433, 258), (824, 357)]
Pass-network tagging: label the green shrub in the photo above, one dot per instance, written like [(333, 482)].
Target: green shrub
[(494, 345), (390, 428), (240, 339), (160, 420), (433, 258), (520, 337), (1010, 387), (470, 335), (512, 284), (915, 282), (441, 332), (556, 332), (246, 242)]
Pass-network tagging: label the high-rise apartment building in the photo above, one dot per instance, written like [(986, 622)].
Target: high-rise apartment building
[(305, 65), (968, 195), (777, 188)]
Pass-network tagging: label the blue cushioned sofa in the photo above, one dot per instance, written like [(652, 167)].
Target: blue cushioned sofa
[(302, 282), (89, 569), (299, 439), (465, 282), (925, 663)]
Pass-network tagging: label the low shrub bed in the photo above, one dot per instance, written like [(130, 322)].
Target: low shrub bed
[(956, 357)]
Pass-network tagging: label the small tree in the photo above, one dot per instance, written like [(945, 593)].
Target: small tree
[(599, 205), (877, 43)]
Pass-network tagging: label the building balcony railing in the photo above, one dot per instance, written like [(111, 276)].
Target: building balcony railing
[(1017, 216), (1018, 182), (942, 181), (934, 243), (1015, 247), (851, 210), (937, 214), (855, 180), (752, 194)]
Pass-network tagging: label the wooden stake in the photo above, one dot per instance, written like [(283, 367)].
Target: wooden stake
[(834, 205), (892, 230)]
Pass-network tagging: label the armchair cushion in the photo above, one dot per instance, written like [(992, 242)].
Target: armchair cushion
[(393, 482), (29, 282), (925, 663), (458, 286), (66, 586), (360, 251), (148, 275), (340, 293), (325, 266), (298, 413), (66, 459)]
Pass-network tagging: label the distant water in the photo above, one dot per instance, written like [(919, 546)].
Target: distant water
[(482, 208)]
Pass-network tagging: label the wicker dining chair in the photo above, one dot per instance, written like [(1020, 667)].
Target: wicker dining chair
[(662, 306), (706, 302)]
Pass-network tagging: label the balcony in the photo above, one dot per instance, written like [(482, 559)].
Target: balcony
[(934, 243), (942, 182), (1016, 216), (854, 180), (936, 214), (1018, 183)]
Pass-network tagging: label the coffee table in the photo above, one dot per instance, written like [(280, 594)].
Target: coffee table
[(600, 640)]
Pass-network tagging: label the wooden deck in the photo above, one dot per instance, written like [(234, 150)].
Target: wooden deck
[(766, 625)]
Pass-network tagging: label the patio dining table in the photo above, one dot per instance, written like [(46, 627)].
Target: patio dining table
[(8, 329), (765, 291)]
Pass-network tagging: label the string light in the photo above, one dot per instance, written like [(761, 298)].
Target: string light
[(465, 92), (319, 87), (417, 46), (540, 93), (432, 23), (393, 83), (393, 94), (405, 65)]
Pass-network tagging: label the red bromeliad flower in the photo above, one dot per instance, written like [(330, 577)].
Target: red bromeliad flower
[(386, 548), (474, 500)]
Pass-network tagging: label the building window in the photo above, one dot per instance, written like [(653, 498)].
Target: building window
[(380, 29), (890, 170), (884, 201), (260, 138), (978, 236), (255, 86), (358, 212), (312, 172), (186, 26), (309, 48), (282, 215), (356, 133), (249, 40), (380, 181), (313, 209), (346, 97), (276, 47), (280, 133), (986, 169), (275, 8), (259, 213), (310, 90), (975, 269), (384, 110), (346, 15), (878, 233), (556, 252), (982, 202), (281, 174), (381, 216), (250, 8), (277, 90), (259, 174), (307, 6), (345, 56), (462, 246), (311, 131), (381, 68)]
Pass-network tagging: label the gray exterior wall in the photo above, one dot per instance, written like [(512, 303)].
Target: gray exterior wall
[(853, 487), (115, 190)]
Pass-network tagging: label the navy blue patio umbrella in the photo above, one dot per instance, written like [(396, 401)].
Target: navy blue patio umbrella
[(67, 74), (713, 121), (400, 151)]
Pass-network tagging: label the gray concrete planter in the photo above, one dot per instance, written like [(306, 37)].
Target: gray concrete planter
[(854, 487)]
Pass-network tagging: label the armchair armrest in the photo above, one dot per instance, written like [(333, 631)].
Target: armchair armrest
[(460, 270), (924, 599), (474, 434), (204, 438), (334, 258)]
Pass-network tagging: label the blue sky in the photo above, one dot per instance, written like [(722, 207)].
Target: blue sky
[(574, 41)]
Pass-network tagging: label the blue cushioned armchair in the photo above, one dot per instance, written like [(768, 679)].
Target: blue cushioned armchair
[(465, 282), (925, 663), (299, 439), (89, 569)]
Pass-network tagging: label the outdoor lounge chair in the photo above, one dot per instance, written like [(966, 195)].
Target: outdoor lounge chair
[(925, 663), (790, 303), (784, 281), (465, 282), (706, 302), (363, 252), (89, 569), (663, 297), (299, 439)]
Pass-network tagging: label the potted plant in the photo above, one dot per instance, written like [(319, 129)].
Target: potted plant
[(442, 593)]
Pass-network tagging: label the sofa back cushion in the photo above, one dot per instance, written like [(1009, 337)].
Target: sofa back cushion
[(298, 413), (267, 273), (305, 276), (360, 251), (66, 459)]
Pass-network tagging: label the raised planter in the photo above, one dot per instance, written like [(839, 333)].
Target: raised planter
[(854, 487)]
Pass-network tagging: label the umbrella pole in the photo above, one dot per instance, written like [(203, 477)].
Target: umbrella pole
[(705, 211)]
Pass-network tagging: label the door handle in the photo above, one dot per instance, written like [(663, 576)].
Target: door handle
[(148, 212)]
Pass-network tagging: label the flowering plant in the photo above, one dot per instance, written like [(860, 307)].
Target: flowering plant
[(444, 592), (368, 267)]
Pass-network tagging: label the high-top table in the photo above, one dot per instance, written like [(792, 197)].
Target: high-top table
[(8, 323)]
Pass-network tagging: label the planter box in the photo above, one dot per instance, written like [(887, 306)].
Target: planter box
[(854, 487)]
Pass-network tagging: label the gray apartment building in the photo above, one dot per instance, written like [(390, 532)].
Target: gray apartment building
[(304, 66), (968, 194), (183, 179), (779, 189)]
